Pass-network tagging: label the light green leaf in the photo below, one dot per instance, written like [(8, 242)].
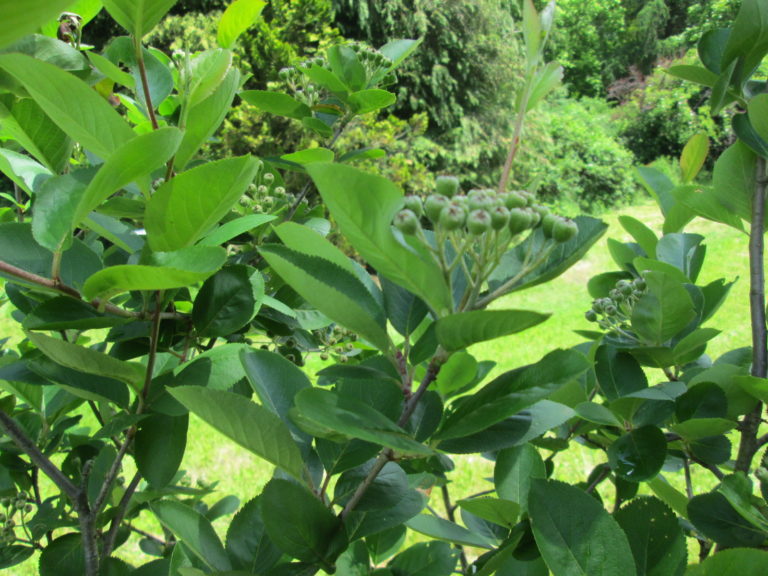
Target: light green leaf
[(138, 16), (733, 180), (693, 157), (497, 510), (86, 9), (111, 70), (670, 495), (531, 33), (88, 361), (309, 156), (574, 533), (445, 530), (597, 413), (25, 122), (277, 103), (167, 270), (643, 235), (23, 170), (695, 74), (21, 18), (251, 426), (547, 79), (364, 206), (733, 562), (693, 345), (237, 18), (515, 469), (205, 118), (370, 100), (208, 71), (663, 311), (134, 160), (183, 209), (459, 331), (331, 289), (399, 50), (73, 105), (194, 531), (228, 231), (697, 428)]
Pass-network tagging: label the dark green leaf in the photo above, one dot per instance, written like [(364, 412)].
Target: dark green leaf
[(736, 562), (14, 554), (63, 557), (227, 301), (643, 235), (618, 373), (515, 470), (695, 74), (250, 425), (386, 490), (298, 523), (717, 519), (663, 311), (277, 103), (426, 559), (705, 400), (65, 313), (248, 546), (639, 454), (445, 530), (458, 331), (575, 535), (655, 536), (194, 530), (159, 447), (362, 524), (404, 310)]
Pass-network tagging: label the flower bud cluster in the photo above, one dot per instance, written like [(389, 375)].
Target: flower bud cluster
[(337, 342), (613, 312), (267, 196), (481, 211)]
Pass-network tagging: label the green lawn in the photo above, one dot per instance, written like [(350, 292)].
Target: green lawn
[(212, 457)]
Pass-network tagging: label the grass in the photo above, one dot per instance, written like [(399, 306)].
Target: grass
[(211, 456)]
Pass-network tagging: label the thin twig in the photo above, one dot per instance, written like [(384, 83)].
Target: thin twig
[(144, 82), (450, 510), (117, 520)]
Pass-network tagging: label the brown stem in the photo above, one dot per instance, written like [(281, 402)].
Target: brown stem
[(145, 82), (39, 459), (122, 508), (751, 423), (111, 475)]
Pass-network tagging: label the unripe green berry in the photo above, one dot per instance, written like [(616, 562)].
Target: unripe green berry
[(481, 200), (478, 222), (407, 222), (433, 205), (564, 230), (499, 217), (616, 295), (625, 287), (610, 310), (452, 217), (268, 177), (519, 220), (535, 217), (447, 186), (591, 316), (28, 508), (639, 284), (413, 203), (547, 223), (514, 200)]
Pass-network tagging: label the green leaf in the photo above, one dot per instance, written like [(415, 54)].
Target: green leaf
[(458, 331), (733, 180), (758, 109), (275, 380), (695, 74), (88, 361), (597, 413), (218, 368), (497, 510), (194, 531), (512, 392), (445, 530), (618, 373), (167, 270), (643, 235), (515, 469), (698, 428), (277, 103), (227, 301), (63, 557), (326, 79), (23, 171), (205, 118), (355, 419), (99, 469), (663, 311), (426, 559), (73, 105), (562, 257), (362, 524), (208, 70), (693, 157), (186, 207), (546, 80), (131, 161), (575, 535), (248, 546), (317, 126), (684, 251), (754, 386), (704, 400), (159, 447), (25, 122), (21, 18), (138, 16), (748, 41), (405, 311), (717, 519), (639, 454), (531, 33), (371, 100), (458, 372), (254, 427), (386, 490), (14, 554), (309, 156), (236, 227), (331, 289), (364, 206), (733, 562), (669, 495), (346, 65), (654, 534), (399, 50), (298, 523), (237, 18), (111, 70), (693, 345)]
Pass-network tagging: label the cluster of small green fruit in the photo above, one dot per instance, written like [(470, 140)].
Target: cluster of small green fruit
[(19, 505), (268, 197), (480, 212), (614, 312)]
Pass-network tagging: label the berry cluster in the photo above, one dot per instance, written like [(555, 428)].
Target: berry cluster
[(268, 197), (15, 507), (480, 212), (614, 312)]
